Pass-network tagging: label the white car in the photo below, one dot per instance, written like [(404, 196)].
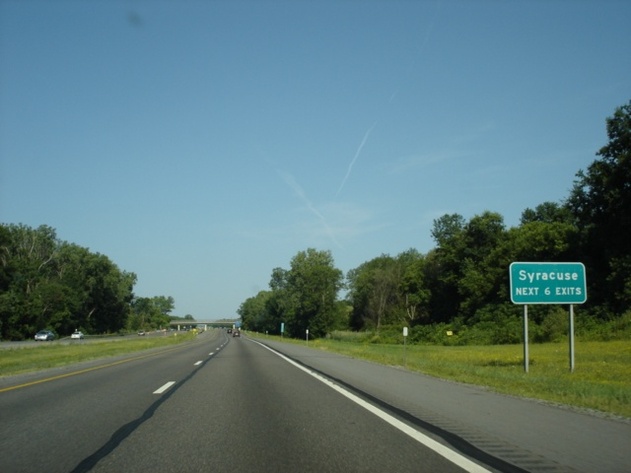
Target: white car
[(77, 335)]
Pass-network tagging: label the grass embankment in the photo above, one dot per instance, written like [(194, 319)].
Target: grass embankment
[(54, 354), (601, 379)]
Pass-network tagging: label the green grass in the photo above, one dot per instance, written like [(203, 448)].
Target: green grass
[(54, 354), (601, 379)]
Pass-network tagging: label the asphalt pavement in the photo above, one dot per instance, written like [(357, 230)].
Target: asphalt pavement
[(239, 404), (533, 435)]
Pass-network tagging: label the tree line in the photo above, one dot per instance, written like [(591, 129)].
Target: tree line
[(463, 283), (46, 283)]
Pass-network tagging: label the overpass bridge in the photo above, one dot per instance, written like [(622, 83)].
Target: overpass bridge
[(225, 323)]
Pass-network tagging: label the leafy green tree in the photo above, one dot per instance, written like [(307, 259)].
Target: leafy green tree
[(6, 275), (53, 284), (446, 229), (443, 267), (28, 257), (150, 312), (548, 212), (6, 266), (280, 305), (477, 285), (600, 201), (413, 289), (458, 273), (481, 234), (109, 294), (374, 292), (255, 315), (165, 305), (313, 283), (542, 241)]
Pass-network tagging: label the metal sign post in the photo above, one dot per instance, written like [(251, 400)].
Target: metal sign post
[(571, 334), (526, 338), (548, 283)]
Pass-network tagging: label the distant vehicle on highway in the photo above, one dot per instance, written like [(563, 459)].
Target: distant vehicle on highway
[(141, 333), (236, 333), (44, 336), (77, 335)]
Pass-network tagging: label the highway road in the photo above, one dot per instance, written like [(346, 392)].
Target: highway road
[(235, 404)]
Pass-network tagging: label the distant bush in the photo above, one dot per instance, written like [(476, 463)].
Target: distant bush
[(498, 327), (554, 327), (348, 336), (591, 328)]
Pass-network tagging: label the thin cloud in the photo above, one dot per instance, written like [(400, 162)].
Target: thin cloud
[(302, 195), (359, 150), (406, 163), (461, 146), (352, 221)]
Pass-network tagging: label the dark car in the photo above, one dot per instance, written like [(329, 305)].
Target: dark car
[(236, 333), (44, 336)]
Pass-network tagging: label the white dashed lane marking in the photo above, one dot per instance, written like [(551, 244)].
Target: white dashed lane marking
[(164, 387)]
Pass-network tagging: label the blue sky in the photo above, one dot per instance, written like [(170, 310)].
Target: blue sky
[(200, 144)]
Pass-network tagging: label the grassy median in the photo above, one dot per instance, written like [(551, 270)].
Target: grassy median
[(47, 355)]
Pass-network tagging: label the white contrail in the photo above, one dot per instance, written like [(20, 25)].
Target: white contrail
[(421, 49), (394, 94), (291, 182), (359, 150)]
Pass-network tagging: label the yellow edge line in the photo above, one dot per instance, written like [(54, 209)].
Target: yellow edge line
[(86, 370)]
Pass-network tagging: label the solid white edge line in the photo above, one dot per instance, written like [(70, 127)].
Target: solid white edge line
[(164, 387), (430, 443)]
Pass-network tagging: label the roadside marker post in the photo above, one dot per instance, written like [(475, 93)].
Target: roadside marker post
[(405, 355), (548, 283)]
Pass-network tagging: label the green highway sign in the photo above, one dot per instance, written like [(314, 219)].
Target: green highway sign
[(547, 283)]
